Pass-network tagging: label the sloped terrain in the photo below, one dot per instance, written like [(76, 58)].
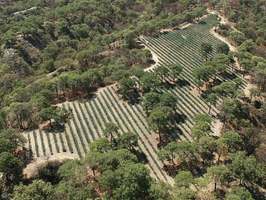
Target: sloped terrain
[(90, 116)]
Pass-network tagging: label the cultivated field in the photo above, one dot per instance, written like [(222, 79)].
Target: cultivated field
[(90, 116)]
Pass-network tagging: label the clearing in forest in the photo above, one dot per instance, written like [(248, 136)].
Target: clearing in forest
[(90, 116)]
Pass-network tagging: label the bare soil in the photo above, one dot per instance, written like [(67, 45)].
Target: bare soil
[(33, 168)]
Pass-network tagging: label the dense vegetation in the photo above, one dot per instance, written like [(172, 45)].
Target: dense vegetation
[(53, 51)]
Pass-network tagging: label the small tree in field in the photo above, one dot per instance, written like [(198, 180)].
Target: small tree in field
[(111, 130), (223, 48), (159, 119), (150, 101), (128, 89), (169, 152), (212, 100), (175, 71), (184, 179), (205, 50)]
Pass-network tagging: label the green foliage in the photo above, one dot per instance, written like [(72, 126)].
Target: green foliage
[(246, 168), (184, 179), (206, 49), (38, 190), (10, 166), (238, 193), (131, 181), (222, 48)]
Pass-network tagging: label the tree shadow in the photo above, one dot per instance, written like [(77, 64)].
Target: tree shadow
[(182, 83), (204, 94), (55, 128), (141, 156), (228, 75)]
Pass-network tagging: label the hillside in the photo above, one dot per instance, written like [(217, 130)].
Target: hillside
[(132, 99)]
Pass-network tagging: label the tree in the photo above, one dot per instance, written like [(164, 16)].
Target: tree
[(186, 152), (48, 114), (228, 88), (162, 72), (184, 179), (101, 146), (23, 113), (129, 39), (238, 193), (205, 50), (184, 193), (128, 141), (149, 82), (206, 148), (129, 182), (10, 140), (220, 62), (160, 191), (202, 126), (87, 57), (159, 119), (37, 190), (248, 45), (149, 101), (59, 115), (218, 174), (231, 110), (232, 140), (128, 89), (110, 160), (246, 168), (203, 74), (168, 100), (212, 99), (168, 152), (176, 70), (111, 130), (11, 167), (223, 48), (237, 37)]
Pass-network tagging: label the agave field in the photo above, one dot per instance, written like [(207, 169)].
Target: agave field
[(90, 116)]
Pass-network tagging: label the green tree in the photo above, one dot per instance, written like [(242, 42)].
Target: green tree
[(184, 179), (175, 71), (149, 82), (149, 101), (37, 190), (246, 168), (128, 141), (168, 152), (162, 72), (11, 167), (159, 120), (206, 49), (237, 37), (202, 126), (101, 146), (129, 182), (168, 100), (217, 174), (184, 193), (238, 193), (10, 140), (223, 48), (128, 89), (212, 99), (111, 130), (232, 140)]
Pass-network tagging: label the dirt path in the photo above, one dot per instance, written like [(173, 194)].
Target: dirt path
[(155, 57)]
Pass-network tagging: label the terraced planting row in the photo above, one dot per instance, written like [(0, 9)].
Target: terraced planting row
[(90, 116), (88, 123)]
